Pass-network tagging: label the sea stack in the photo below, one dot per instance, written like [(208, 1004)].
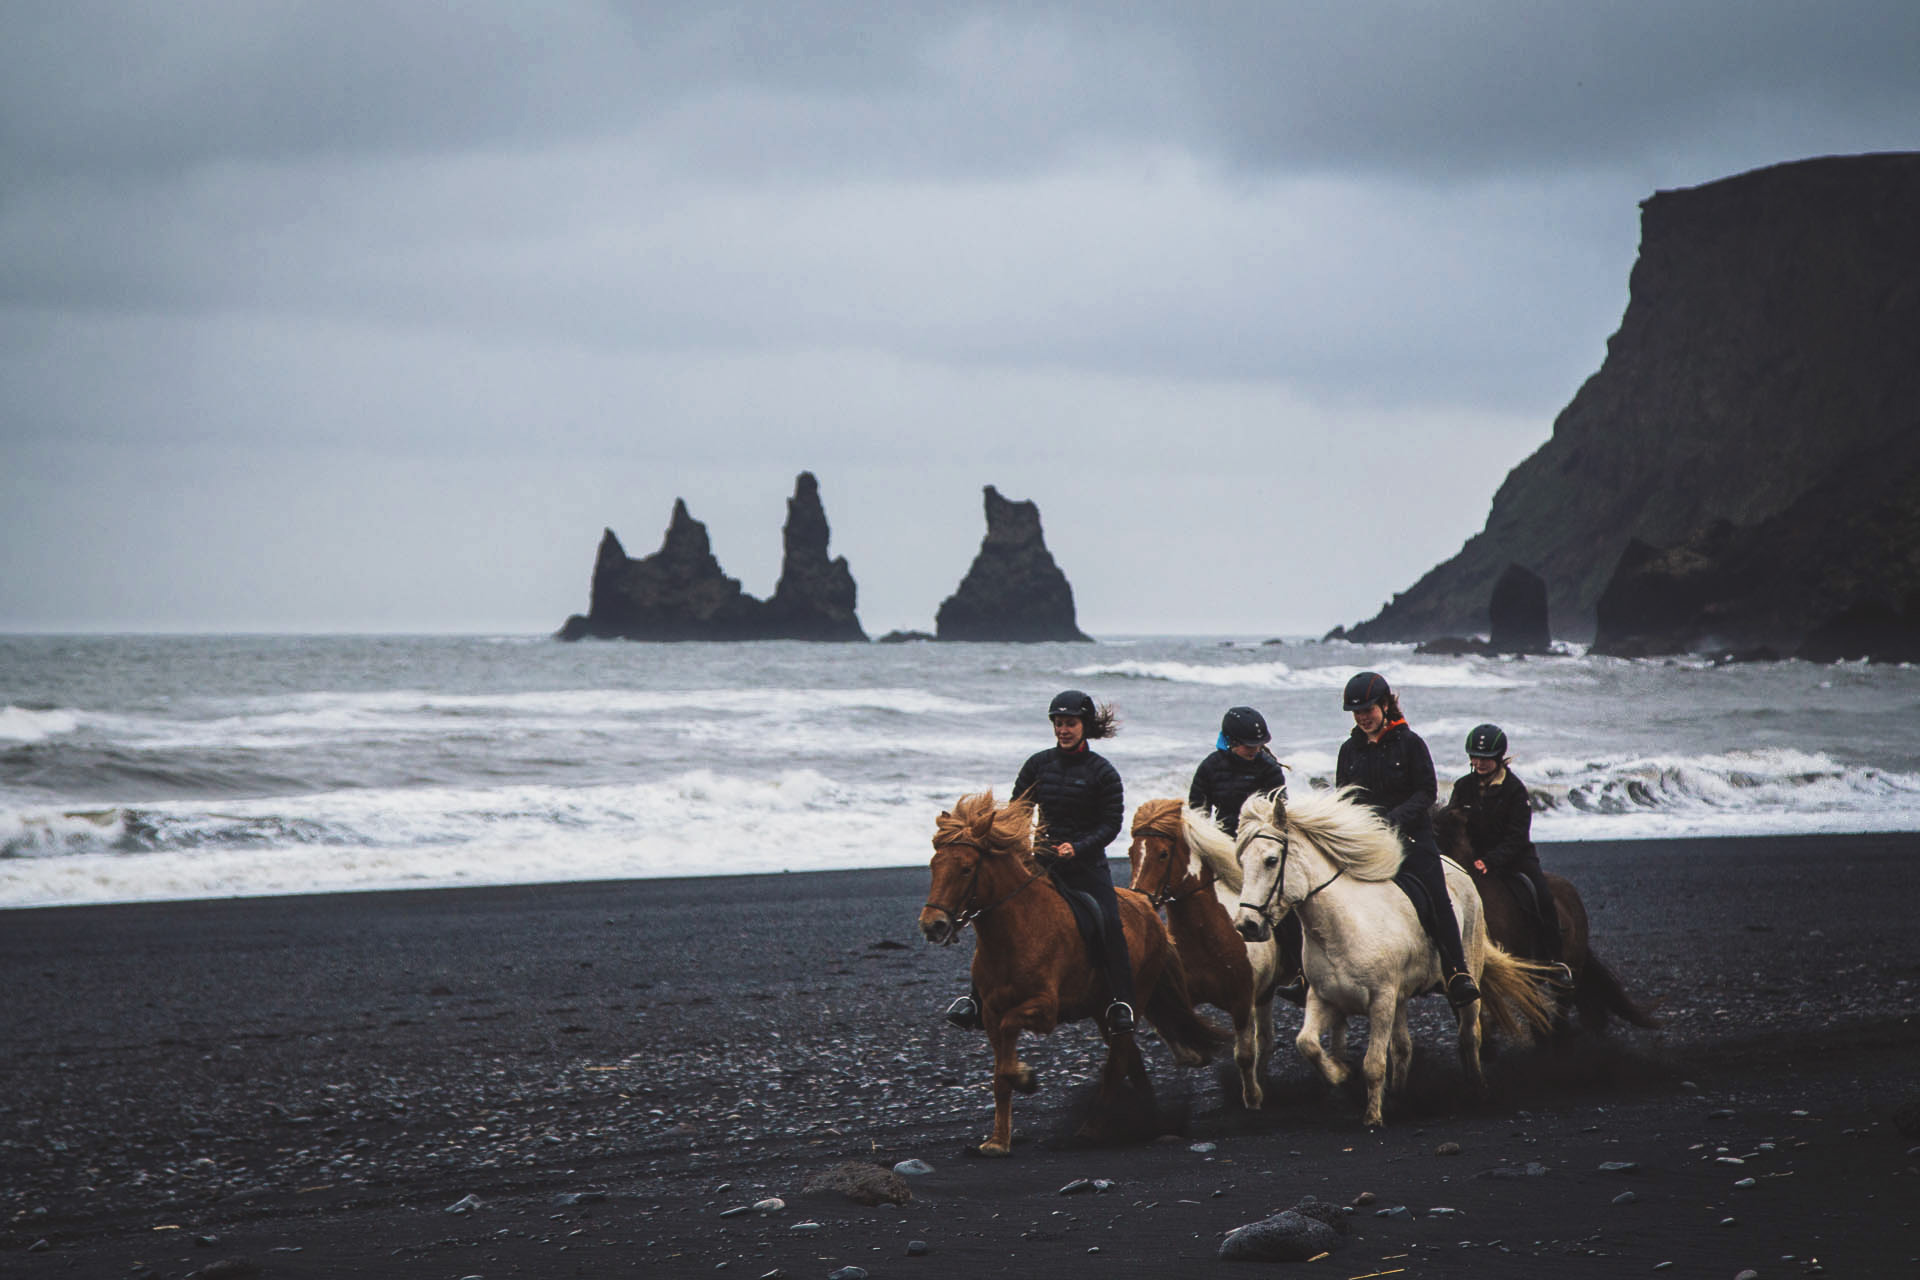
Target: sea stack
[(681, 593), (815, 597), (1014, 590), (1744, 468)]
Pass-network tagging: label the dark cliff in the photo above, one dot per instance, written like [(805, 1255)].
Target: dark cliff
[(681, 593), (1013, 590), (1752, 428)]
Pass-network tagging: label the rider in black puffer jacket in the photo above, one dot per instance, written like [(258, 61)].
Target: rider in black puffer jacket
[(1240, 766), (1082, 807), (1393, 769)]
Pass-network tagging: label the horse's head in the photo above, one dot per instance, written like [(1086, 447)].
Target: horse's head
[(1269, 878), (967, 841), (1450, 833), (1164, 867)]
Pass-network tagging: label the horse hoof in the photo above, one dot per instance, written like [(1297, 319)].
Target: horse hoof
[(1025, 1080), (992, 1149)]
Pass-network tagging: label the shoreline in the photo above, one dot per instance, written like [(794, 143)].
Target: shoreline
[(312, 1081), (1549, 851)]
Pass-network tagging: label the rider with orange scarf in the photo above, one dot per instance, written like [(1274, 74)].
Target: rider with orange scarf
[(1393, 770)]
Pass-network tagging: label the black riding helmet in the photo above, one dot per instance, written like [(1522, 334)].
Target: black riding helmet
[(1487, 740), (1364, 690), (1071, 702), (1244, 725)]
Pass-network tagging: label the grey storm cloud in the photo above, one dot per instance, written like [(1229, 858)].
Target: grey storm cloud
[(674, 245)]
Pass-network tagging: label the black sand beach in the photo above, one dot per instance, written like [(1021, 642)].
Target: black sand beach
[(307, 1087)]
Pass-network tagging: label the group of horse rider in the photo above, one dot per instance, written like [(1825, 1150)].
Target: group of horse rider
[(1078, 793)]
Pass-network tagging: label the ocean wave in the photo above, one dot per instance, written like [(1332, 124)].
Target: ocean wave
[(1279, 675), (24, 724)]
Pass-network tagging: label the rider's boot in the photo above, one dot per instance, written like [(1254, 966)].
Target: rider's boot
[(1462, 990), (1119, 1018), (965, 1013), (1294, 992)]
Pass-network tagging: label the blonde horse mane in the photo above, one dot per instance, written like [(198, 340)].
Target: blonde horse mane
[(1163, 818), (1213, 846), (973, 820), (1352, 836)]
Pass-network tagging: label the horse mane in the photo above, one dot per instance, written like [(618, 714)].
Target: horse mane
[(1353, 837), (996, 831), (1163, 818), (1212, 846)]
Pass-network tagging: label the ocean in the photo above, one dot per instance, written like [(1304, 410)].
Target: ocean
[(168, 767)]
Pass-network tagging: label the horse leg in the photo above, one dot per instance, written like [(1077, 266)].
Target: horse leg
[(1263, 1024), (1381, 1016), (1321, 1017), (1470, 1050), (1007, 1075), (1402, 1050), (1246, 1055)]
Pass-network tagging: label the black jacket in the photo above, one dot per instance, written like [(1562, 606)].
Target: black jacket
[(1395, 777), (1499, 821), (1079, 796), (1224, 781)]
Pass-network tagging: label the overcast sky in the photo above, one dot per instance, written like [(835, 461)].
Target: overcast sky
[(335, 316)]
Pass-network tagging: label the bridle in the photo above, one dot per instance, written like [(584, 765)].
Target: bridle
[(1286, 849), (966, 915), (1163, 896)]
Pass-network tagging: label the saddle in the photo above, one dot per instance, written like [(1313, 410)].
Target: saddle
[(1086, 915), (1416, 892), (1522, 888)]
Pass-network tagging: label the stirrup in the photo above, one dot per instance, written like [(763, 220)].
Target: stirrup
[(1294, 993), (1462, 990), (1560, 974), (1119, 1017), (965, 1014)]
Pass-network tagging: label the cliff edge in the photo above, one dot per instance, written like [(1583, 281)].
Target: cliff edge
[(1755, 427)]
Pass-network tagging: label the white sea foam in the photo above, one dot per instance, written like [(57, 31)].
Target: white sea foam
[(1278, 675), (18, 724)]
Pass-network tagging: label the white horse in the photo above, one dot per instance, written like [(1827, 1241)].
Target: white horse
[(1332, 861)]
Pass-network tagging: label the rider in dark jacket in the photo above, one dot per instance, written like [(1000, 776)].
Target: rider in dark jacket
[(1393, 770), (1240, 766), (1081, 808), (1499, 824)]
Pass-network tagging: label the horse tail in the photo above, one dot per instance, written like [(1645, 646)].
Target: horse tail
[(1513, 992), (1600, 994), (1192, 1038)]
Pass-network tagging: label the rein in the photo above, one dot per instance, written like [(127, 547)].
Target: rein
[(967, 915), (1161, 897), (1286, 851)]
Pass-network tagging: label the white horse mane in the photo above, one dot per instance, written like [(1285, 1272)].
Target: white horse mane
[(1212, 846), (1350, 834)]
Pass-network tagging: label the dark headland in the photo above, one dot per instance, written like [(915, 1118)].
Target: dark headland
[(1743, 471), (597, 1079)]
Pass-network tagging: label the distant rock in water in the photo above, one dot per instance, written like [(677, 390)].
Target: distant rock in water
[(906, 637), (1745, 465), (815, 596), (681, 593), (1014, 590), (1518, 612)]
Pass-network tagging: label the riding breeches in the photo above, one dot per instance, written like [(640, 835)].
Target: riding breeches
[(1422, 861), (1091, 876)]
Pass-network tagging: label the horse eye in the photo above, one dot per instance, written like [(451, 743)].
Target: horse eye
[(1273, 860)]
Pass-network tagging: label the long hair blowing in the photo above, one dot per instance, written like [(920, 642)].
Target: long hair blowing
[(1104, 723)]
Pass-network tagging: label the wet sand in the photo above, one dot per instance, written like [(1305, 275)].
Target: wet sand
[(310, 1084)]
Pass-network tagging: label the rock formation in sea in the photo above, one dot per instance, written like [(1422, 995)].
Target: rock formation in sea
[(815, 596), (681, 593), (1014, 590), (1517, 613), (1747, 457)]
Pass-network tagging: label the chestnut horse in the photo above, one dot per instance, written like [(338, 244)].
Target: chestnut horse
[(1332, 861), (1597, 993), (1030, 965), (1223, 969)]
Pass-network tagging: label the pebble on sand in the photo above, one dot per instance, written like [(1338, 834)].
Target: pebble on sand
[(1447, 1149)]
